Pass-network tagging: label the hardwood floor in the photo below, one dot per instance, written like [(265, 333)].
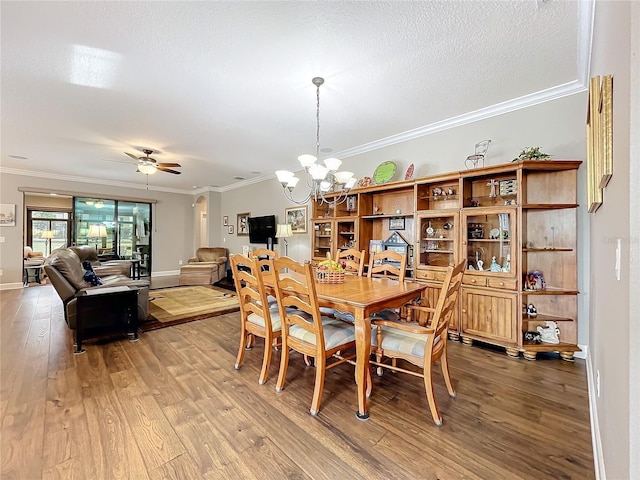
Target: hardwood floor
[(172, 406)]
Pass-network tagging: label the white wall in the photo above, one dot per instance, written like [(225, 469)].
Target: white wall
[(614, 332)]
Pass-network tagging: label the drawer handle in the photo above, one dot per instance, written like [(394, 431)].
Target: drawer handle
[(502, 284), (464, 310), (473, 280)]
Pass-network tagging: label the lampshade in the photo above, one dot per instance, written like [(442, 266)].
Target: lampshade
[(147, 169), (284, 230), (48, 234), (97, 231)]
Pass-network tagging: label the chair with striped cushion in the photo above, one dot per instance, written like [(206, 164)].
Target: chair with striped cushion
[(304, 329), (421, 345), (258, 317)]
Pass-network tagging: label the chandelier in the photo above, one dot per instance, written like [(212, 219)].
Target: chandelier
[(321, 179)]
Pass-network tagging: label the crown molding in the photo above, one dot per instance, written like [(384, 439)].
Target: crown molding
[(95, 181)]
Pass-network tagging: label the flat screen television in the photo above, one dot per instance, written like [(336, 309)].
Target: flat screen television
[(262, 228)]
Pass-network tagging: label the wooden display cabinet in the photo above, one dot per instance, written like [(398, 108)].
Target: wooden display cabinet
[(522, 213)]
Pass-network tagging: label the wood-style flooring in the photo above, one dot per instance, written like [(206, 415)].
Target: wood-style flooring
[(172, 406)]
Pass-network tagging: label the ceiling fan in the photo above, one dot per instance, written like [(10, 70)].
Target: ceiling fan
[(149, 166)]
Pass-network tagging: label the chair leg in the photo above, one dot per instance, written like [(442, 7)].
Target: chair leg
[(241, 350), (284, 363), (307, 360), (319, 386), (379, 350), (250, 339), (266, 360), (444, 365), (369, 382), (428, 386)]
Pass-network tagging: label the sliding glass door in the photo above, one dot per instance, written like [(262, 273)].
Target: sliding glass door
[(118, 229)]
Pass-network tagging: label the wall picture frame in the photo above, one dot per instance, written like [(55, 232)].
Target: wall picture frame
[(230, 229), (396, 223), (297, 218), (242, 228), (599, 139), (225, 221), (7, 215)]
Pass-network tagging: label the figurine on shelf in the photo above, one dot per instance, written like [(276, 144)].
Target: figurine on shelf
[(507, 264), (534, 280), (494, 267), (532, 311), (549, 334)]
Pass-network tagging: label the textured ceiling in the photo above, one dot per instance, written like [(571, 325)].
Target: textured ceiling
[(224, 88)]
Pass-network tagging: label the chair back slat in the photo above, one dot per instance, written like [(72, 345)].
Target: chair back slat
[(297, 296), (445, 307), (263, 255), (353, 259), (388, 264), (250, 288)]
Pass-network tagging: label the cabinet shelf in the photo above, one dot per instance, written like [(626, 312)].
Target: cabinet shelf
[(550, 291), (385, 215), (347, 233), (548, 206), (431, 250), (545, 318), (529, 250), (489, 240)]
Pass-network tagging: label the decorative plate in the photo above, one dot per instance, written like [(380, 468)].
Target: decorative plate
[(364, 182), (384, 172), (409, 174)]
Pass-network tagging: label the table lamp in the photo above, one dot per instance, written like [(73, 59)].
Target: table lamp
[(284, 231)]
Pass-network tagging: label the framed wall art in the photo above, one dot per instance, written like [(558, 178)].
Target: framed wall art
[(225, 221), (243, 224), (396, 223), (7, 215), (230, 229), (599, 139), (297, 218)]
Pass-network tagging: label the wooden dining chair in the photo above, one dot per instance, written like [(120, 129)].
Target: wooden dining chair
[(352, 259), (258, 317), (418, 345), (388, 264), (304, 329), (263, 255)]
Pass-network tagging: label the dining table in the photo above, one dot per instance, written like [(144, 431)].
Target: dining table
[(362, 297)]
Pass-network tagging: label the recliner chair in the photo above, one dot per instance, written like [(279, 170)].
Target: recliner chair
[(206, 268), (65, 272)]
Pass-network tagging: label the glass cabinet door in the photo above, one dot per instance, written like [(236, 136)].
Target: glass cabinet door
[(437, 234), (321, 238), (487, 241)]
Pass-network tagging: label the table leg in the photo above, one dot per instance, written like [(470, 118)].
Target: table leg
[(363, 350)]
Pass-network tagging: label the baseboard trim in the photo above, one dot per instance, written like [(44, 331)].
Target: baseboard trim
[(11, 286), (596, 440), (166, 273)]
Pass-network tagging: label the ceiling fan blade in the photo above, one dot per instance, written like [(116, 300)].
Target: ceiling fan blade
[(168, 165), (132, 156), (168, 170), (127, 162)]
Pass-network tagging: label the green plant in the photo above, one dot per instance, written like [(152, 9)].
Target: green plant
[(532, 153)]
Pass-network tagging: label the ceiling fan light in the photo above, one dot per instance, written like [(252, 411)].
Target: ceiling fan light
[(147, 169)]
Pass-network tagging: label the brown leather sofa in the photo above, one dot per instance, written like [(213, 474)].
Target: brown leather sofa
[(206, 268), (65, 272), (110, 267)]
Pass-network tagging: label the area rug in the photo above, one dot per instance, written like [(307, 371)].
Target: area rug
[(172, 306)]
